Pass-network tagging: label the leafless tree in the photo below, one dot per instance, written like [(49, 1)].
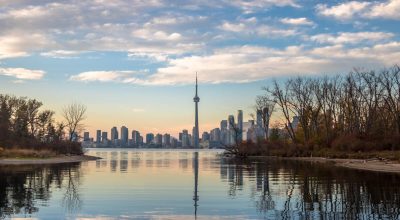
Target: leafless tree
[(74, 114)]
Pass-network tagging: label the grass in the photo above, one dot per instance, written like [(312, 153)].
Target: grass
[(26, 153)]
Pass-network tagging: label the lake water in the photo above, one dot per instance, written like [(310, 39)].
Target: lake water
[(184, 184)]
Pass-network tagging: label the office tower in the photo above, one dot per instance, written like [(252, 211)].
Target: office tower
[(86, 136), (259, 118), (124, 136), (158, 139), (215, 135), (185, 138), (149, 138), (224, 132), (205, 136), (223, 125), (104, 139), (174, 142), (196, 100), (166, 140), (240, 125), (231, 130), (98, 136), (180, 136), (114, 133), (136, 138)]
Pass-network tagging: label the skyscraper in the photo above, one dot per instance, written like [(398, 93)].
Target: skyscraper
[(114, 133), (98, 136), (240, 125), (86, 136), (104, 138), (149, 138), (196, 100), (124, 136), (231, 130)]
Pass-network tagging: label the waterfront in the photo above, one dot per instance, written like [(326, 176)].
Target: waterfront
[(159, 184)]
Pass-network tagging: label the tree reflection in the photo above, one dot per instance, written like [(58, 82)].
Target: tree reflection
[(290, 189), (23, 188)]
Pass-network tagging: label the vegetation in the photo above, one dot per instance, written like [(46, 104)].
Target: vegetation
[(28, 131), (342, 115)]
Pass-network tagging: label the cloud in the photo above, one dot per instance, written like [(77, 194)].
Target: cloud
[(389, 10), (251, 27), (243, 64), (18, 44), (22, 73), (353, 9), (342, 11), (109, 76), (297, 21), (62, 54), (352, 38), (253, 5)]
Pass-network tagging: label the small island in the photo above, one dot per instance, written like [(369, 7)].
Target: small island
[(29, 135)]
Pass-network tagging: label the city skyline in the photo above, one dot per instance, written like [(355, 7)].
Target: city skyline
[(132, 62)]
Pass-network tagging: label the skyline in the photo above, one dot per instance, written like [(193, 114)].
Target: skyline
[(132, 62)]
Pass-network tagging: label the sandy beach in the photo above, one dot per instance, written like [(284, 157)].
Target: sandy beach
[(53, 160)]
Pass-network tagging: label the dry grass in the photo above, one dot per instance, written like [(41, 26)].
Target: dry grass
[(25, 153)]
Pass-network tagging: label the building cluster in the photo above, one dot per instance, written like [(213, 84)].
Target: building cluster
[(231, 131)]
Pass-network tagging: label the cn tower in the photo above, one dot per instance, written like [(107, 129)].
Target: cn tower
[(196, 100)]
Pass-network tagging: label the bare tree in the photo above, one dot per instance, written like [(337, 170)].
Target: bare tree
[(74, 114)]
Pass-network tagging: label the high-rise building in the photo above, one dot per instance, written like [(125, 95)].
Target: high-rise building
[(166, 142), (224, 125), (259, 118), (158, 139), (180, 136), (124, 136), (136, 138), (104, 138), (149, 138), (86, 136), (215, 135), (185, 138), (98, 136), (224, 132), (114, 133), (196, 100), (231, 130), (240, 125), (205, 136)]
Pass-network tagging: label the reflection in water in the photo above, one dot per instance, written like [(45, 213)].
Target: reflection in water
[(24, 188), (196, 181), (149, 184)]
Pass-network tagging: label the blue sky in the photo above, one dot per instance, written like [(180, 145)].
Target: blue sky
[(133, 62)]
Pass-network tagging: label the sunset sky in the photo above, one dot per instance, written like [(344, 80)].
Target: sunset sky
[(133, 62)]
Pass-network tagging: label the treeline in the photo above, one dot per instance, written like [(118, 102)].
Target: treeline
[(356, 112), (23, 125)]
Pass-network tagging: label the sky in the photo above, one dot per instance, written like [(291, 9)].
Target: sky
[(134, 62)]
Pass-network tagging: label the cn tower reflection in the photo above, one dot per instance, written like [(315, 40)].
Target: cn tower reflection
[(196, 181)]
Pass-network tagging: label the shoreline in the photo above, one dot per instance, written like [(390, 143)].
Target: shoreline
[(51, 160), (374, 165)]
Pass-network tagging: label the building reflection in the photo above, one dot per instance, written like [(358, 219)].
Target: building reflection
[(276, 189)]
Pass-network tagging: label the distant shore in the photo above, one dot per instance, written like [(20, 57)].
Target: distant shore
[(375, 165), (51, 160)]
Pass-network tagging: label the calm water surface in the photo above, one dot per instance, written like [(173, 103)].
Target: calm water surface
[(184, 184)]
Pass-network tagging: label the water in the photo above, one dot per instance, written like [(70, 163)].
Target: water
[(159, 184)]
